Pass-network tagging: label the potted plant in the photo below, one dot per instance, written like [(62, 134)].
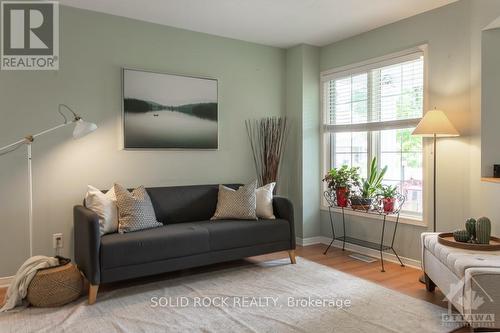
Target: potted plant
[(388, 193), (369, 187), (342, 180)]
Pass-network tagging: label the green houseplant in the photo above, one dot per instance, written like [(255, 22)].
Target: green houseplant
[(369, 187), (342, 180), (388, 193)]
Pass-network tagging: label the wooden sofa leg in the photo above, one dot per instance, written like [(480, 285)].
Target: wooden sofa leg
[(93, 293), (291, 254), (429, 284)]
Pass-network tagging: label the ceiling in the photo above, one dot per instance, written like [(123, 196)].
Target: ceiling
[(281, 23)]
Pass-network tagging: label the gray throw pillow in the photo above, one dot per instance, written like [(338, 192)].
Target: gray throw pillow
[(237, 204), (135, 210)]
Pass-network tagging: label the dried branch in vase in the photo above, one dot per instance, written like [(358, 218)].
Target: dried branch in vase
[(267, 139)]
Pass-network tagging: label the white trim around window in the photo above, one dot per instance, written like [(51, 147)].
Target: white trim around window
[(366, 65), (387, 60)]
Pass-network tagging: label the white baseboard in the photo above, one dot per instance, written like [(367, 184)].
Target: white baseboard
[(358, 249), (311, 240), (5, 281)]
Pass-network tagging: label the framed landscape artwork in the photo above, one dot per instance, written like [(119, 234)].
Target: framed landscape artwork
[(166, 111)]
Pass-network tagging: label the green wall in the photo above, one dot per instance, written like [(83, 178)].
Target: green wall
[(302, 101), (490, 120), (293, 156), (254, 81), (446, 32), (310, 142), (94, 48), (453, 35)]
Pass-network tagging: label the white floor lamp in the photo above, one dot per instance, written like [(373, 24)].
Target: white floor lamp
[(82, 128), (435, 124)]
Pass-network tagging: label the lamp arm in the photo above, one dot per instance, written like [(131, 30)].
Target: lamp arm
[(30, 138), (50, 129), (76, 117), (13, 146)]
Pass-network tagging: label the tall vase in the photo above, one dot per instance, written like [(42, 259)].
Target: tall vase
[(483, 230)]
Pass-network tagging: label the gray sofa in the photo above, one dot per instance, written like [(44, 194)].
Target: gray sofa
[(187, 239)]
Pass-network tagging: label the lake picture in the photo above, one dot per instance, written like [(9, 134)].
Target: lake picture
[(169, 111)]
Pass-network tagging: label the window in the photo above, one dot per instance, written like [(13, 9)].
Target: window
[(371, 110)]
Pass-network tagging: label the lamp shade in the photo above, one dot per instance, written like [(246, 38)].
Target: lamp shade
[(435, 123), (83, 128)]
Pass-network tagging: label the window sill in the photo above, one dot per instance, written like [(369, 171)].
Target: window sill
[(490, 180), (402, 219)]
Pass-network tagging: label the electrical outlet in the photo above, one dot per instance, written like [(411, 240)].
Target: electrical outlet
[(57, 241)]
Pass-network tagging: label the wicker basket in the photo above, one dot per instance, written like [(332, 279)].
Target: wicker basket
[(55, 286)]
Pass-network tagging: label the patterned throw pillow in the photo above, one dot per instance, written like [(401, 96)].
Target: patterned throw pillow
[(237, 204), (135, 210)]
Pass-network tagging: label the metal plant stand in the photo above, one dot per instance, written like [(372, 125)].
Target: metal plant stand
[(375, 209)]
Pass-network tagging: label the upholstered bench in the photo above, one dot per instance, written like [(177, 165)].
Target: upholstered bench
[(469, 279)]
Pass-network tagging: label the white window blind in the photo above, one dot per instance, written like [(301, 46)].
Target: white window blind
[(370, 110), (375, 97)]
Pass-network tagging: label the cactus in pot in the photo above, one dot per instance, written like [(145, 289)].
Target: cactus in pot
[(470, 226), (483, 230), (461, 236)]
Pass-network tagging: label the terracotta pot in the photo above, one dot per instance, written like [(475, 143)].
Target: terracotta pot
[(389, 204), (341, 194)]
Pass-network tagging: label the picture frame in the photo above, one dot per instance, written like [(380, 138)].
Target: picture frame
[(165, 111)]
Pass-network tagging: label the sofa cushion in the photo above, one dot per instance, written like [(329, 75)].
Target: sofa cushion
[(170, 241), (228, 234), (178, 204), (458, 260)]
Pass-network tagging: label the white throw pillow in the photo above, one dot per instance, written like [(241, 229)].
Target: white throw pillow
[(264, 196), (104, 205)]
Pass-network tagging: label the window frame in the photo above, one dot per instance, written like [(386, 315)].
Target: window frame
[(364, 66)]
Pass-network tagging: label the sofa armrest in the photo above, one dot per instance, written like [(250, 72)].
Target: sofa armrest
[(283, 208), (87, 241)]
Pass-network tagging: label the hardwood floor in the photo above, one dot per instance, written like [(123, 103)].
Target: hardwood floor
[(395, 277), (2, 295)]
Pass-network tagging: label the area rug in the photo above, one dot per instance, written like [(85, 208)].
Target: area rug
[(271, 297)]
